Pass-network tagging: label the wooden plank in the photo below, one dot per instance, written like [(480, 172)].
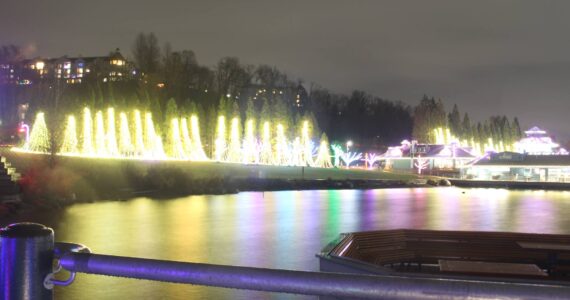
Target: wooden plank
[(488, 268), (544, 246)]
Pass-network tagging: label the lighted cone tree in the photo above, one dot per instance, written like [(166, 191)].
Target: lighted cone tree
[(250, 153), (266, 155), (234, 148), (69, 145), (107, 133), (39, 137), (220, 143), (323, 159)]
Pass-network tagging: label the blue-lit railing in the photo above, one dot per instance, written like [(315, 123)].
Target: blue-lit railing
[(27, 253)]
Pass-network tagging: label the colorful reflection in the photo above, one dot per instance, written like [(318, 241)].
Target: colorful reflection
[(279, 229)]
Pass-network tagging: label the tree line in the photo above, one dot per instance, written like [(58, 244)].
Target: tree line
[(430, 114), (168, 78)]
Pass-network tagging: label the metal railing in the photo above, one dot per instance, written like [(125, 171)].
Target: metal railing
[(27, 252)]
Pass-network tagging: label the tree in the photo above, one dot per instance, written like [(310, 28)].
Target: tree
[(454, 121), (466, 128), (146, 53), (11, 54), (516, 130), (170, 113), (428, 115), (231, 76)]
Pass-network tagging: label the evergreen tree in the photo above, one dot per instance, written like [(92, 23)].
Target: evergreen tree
[(466, 128), (516, 130), (454, 121)]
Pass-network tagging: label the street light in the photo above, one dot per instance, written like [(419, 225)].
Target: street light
[(348, 144)]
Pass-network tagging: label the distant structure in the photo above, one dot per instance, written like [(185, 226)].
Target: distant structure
[(73, 70), (536, 158), (537, 142), (431, 157)]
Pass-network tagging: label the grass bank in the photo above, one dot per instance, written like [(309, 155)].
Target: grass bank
[(78, 179)]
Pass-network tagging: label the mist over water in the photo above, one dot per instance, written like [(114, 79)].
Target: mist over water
[(279, 229)]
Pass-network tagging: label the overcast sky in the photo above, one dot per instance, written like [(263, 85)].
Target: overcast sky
[(489, 57)]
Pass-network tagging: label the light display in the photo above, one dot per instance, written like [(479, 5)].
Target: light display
[(337, 149), (537, 142), (266, 151), (133, 135), (349, 157), (220, 143), (323, 159), (125, 145), (69, 144), (234, 149), (111, 138), (250, 153), (197, 151), (421, 164), (177, 150), (443, 136), (370, 159)]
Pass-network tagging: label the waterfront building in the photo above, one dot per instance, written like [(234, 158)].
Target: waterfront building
[(429, 157), (513, 166)]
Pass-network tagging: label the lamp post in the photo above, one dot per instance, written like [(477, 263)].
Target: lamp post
[(348, 144)]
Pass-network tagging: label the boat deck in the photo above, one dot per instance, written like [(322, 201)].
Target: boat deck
[(457, 253)]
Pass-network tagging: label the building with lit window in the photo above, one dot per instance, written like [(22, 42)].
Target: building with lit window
[(72, 70)]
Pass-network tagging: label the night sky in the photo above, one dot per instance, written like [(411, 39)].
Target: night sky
[(489, 57)]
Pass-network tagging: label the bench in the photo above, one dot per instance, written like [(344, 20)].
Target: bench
[(490, 268)]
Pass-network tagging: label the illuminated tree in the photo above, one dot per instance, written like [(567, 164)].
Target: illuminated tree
[(338, 153), (39, 136), (349, 157), (370, 159), (421, 164), (323, 159)]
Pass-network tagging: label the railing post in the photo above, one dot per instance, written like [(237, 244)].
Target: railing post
[(26, 257)]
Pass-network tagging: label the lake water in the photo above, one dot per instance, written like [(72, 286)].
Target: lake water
[(278, 229)]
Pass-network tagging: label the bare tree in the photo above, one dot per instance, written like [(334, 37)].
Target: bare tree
[(146, 53)]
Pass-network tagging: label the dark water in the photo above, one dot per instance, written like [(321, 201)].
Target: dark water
[(279, 229)]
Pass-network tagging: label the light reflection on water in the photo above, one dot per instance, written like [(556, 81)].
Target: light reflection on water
[(279, 229)]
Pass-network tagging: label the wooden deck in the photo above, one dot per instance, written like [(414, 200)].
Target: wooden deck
[(417, 249)]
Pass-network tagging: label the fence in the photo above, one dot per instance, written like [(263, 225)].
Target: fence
[(27, 252)]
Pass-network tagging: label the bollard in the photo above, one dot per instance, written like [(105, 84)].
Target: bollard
[(26, 255)]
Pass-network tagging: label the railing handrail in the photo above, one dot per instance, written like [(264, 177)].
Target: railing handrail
[(304, 282)]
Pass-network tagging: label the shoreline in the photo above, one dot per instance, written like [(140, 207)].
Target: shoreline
[(226, 187), (511, 185)]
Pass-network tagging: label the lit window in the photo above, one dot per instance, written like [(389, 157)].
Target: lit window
[(105, 79), (80, 70), (87, 70), (40, 65), (67, 65)]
